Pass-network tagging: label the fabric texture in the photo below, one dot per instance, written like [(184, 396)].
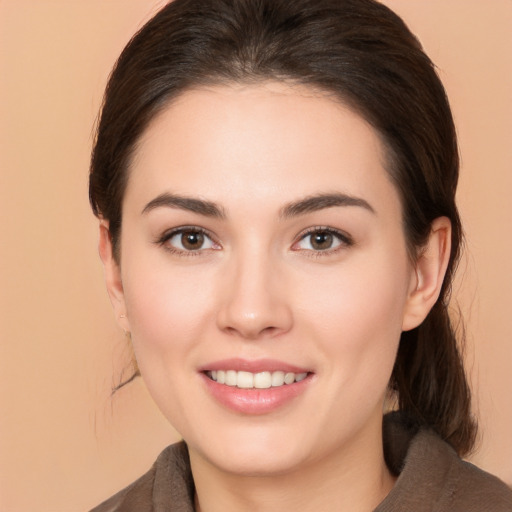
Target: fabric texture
[(431, 478)]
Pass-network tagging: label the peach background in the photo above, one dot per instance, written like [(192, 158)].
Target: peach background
[(64, 444)]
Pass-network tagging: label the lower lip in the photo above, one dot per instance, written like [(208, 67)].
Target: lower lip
[(255, 401)]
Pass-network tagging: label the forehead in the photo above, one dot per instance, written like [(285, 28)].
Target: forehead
[(258, 141)]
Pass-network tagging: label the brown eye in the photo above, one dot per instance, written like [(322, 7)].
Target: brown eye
[(321, 241), (191, 240)]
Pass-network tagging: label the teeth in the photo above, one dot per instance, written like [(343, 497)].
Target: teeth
[(261, 380), (245, 380), (289, 378), (231, 377), (277, 379)]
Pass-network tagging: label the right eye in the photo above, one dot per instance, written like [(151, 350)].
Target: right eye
[(188, 240)]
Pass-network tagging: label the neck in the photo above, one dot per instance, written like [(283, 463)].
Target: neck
[(349, 479)]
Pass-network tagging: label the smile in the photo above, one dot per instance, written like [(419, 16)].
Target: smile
[(260, 380), (255, 387)]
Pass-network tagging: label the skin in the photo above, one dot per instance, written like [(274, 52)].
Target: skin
[(258, 289)]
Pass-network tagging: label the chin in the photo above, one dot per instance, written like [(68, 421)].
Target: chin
[(258, 463), (254, 453)]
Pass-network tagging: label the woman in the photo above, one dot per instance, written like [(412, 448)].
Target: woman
[(275, 185)]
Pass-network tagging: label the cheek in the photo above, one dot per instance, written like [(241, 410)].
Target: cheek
[(364, 288), (357, 310), (169, 311), (167, 307)]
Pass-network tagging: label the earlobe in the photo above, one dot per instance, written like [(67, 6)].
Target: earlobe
[(429, 271), (112, 273)]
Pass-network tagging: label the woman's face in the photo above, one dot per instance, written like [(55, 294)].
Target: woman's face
[(262, 240)]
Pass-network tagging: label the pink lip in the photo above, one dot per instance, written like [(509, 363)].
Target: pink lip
[(260, 365), (255, 401)]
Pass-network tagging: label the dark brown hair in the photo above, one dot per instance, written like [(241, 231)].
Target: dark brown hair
[(363, 53)]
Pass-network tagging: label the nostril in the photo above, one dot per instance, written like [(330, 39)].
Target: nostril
[(252, 333)]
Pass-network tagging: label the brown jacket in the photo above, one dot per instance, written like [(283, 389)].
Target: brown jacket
[(431, 478)]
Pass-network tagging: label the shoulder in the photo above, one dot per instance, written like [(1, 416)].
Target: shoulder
[(168, 485), (476, 490), (432, 477)]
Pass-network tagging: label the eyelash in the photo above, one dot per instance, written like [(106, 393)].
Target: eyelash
[(344, 239), (168, 235)]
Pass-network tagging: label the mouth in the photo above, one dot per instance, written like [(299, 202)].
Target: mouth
[(255, 387), (260, 380)]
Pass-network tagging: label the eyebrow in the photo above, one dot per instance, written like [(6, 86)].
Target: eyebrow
[(210, 209), (200, 206), (322, 201)]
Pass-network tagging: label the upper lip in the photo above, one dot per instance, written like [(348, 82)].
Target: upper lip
[(253, 366)]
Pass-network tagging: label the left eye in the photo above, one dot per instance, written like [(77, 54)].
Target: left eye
[(321, 240), (190, 240)]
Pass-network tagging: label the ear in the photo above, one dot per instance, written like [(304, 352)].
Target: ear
[(112, 272), (428, 274)]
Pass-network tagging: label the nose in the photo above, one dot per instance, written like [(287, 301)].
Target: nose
[(254, 301)]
